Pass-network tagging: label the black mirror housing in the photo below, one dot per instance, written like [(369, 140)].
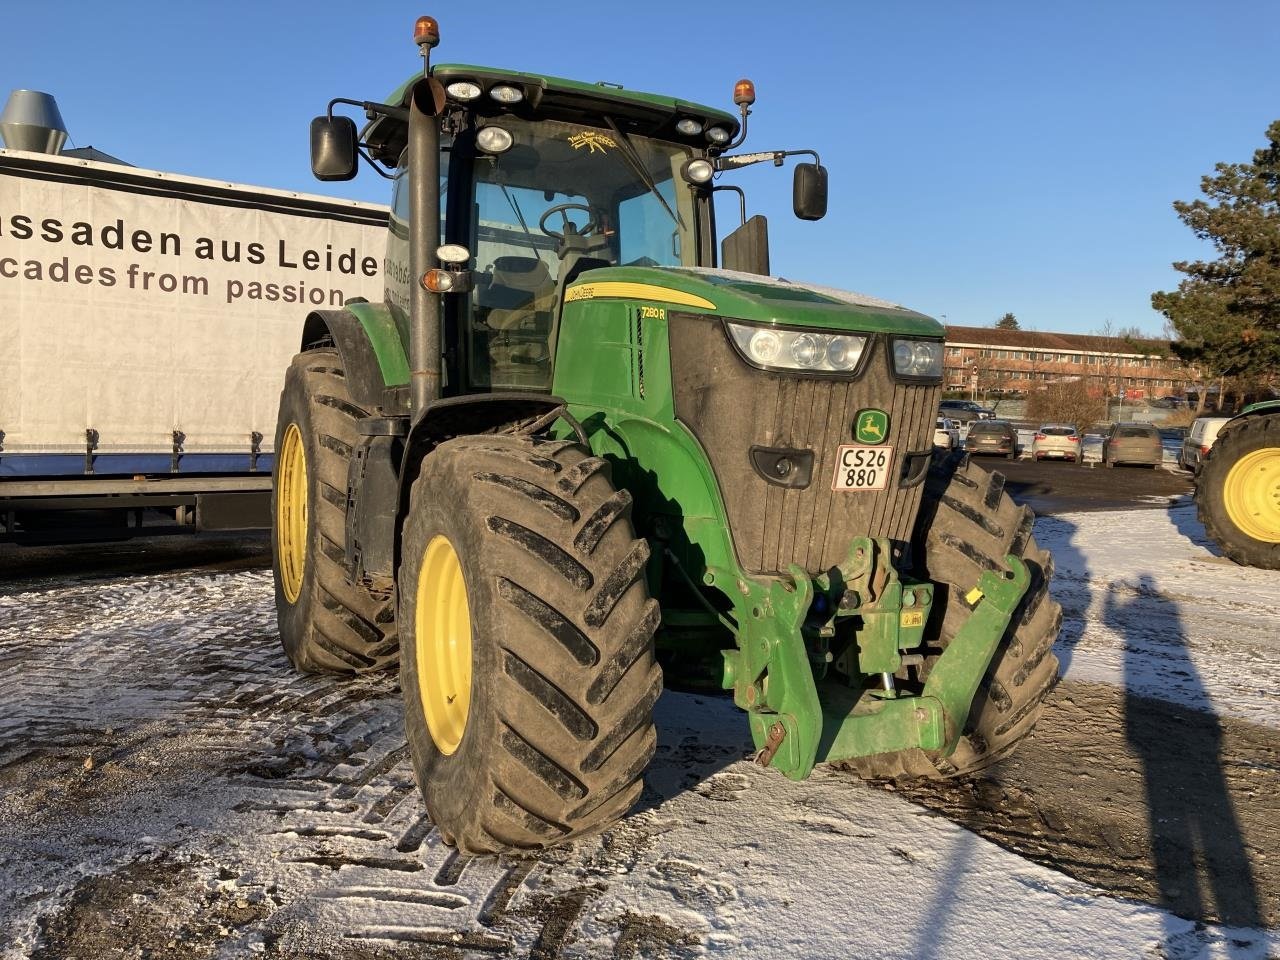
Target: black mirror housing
[(333, 148), (809, 191), (747, 248)]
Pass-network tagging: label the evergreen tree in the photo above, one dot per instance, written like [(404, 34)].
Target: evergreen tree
[(1007, 322), (1226, 313)]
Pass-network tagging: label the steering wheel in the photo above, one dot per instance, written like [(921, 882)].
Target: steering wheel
[(563, 209)]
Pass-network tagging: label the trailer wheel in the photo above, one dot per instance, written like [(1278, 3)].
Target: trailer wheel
[(1238, 491), (526, 643), (326, 623), (967, 524)]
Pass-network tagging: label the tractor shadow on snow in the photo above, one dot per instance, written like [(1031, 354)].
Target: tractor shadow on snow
[(1182, 514)]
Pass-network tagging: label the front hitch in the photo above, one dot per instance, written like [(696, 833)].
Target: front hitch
[(772, 673)]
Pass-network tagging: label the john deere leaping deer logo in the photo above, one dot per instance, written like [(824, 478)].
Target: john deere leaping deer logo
[(871, 426)]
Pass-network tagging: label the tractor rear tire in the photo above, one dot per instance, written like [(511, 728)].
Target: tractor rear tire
[(526, 659), (967, 524), (1227, 483), (327, 624)]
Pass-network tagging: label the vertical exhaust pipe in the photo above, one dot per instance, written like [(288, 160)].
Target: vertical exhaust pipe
[(426, 103)]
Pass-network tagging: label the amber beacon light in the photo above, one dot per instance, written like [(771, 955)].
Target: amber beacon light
[(426, 32)]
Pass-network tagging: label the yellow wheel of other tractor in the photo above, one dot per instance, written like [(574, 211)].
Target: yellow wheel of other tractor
[(291, 512), (1238, 490), (442, 631), (1251, 494)]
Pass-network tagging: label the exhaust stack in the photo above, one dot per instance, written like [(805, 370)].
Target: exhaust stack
[(31, 121)]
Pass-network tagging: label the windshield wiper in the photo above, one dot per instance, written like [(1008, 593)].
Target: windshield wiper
[(520, 216), (633, 158)]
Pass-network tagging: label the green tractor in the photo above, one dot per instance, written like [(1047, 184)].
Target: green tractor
[(580, 446), (1238, 487)]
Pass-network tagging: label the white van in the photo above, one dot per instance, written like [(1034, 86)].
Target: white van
[(1194, 448)]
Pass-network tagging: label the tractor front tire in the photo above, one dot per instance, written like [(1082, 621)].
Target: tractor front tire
[(968, 524), (526, 635), (1238, 491), (327, 624)]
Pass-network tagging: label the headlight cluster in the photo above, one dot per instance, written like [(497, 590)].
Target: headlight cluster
[(798, 349), (917, 358)]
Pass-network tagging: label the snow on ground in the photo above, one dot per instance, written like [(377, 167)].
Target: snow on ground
[(151, 722), (1149, 606)]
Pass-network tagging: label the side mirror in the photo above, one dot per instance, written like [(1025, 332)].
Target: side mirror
[(747, 248), (333, 148), (809, 191)]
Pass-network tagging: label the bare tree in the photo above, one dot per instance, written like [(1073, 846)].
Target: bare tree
[(1066, 401)]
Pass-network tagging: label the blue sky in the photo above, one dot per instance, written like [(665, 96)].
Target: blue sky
[(983, 157)]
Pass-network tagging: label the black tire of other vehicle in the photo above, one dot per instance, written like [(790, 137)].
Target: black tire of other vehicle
[(333, 626), (967, 524), (559, 728), (1259, 432)]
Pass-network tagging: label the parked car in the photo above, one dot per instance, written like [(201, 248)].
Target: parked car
[(1199, 440), (992, 436), (946, 434), (1130, 442), (964, 411), (1056, 441)]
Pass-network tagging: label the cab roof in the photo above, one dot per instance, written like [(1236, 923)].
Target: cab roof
[(645, 114)]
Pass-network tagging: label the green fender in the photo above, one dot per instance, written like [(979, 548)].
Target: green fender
[(372, 347)]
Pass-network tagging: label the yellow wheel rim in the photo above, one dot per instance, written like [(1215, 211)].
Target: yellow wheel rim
[(291, 511), (442, 632), (1252, 495)]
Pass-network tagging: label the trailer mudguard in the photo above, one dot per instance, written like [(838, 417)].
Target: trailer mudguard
[(372, 350)]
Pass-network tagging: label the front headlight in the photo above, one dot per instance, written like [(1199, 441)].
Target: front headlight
[(807, 350), (917, 358)]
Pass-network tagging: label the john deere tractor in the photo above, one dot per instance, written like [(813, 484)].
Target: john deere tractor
[(580, 445), (1238, 487)]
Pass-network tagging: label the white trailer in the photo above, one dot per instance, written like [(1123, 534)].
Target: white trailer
[(146, 321)]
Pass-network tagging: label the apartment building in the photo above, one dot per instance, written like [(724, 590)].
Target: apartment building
[(1003, 361)]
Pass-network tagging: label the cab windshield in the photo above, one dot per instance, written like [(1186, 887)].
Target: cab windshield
[(562, 199)]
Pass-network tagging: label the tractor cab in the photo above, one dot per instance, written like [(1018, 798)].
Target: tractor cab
[(542, 179)]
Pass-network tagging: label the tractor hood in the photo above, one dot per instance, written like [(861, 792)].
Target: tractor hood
[(750, 297)]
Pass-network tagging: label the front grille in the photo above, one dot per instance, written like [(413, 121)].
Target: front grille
[(730, 407)]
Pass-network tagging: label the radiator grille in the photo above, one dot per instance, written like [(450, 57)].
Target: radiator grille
[(730, 406)]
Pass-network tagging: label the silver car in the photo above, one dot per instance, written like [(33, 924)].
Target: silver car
[(1056, 441)]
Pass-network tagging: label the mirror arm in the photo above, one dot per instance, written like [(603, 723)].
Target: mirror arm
[(372, 109), (775, 156), (360, 149), (742, 200)]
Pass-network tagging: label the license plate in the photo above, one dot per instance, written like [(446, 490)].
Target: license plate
[(862, 468), (1054, 453)]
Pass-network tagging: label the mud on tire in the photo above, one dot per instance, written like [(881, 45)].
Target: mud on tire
[(559, 728), (333, 626), (966, 525)]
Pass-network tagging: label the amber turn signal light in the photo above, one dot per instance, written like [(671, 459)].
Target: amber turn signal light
[(438, 281)]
